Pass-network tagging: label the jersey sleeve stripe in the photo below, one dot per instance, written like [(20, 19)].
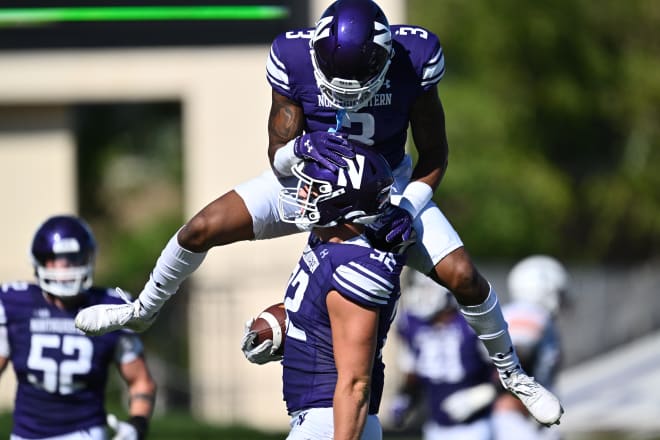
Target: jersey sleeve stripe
[(434, 69), (359, 268), (4, 342), (364, 283), (276, 71), (358, 292), (3, 315)]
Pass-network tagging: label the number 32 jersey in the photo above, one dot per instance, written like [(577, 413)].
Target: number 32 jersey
[(363, 275), (418, 64), (61, 373)]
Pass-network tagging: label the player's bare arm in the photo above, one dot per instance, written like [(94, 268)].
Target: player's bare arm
[(3, 364), (285, 122), (354, 331), (427, 122), (141, 387), (287, 144)]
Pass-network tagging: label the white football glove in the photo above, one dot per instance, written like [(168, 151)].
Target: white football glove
[(122, 430), (105, 318), (262, 353), (463, 403)]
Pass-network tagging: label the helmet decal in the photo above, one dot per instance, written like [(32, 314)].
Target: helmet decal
[(354, 171), (324, 198), (351, 51)]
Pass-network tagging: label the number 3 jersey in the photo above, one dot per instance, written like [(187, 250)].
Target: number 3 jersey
[(61, 373), (418, 64), (364, 275)]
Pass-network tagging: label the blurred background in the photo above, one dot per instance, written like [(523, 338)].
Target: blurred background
[(136, 123)]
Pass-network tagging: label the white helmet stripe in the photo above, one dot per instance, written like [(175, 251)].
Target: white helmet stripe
[(322, 28), (383, 36)]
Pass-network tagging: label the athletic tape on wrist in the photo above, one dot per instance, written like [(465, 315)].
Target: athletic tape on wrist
[(285, 158), (415, 197)]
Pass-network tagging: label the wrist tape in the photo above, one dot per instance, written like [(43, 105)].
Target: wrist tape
[(285, 158), (415, 197)]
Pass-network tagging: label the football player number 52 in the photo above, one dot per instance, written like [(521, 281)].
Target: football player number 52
[(58, 376)]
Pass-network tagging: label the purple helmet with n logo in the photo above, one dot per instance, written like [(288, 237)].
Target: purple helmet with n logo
[(351, 51), (325, 198), (69, 242)]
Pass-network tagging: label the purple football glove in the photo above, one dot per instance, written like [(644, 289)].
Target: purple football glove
[(330, 150), (400, 225), (393, 231)]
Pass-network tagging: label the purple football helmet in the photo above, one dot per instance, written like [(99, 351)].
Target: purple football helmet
[(324, 198), (67, 245), (351, 51)]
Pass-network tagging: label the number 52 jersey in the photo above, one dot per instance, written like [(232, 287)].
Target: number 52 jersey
[(61, 373)]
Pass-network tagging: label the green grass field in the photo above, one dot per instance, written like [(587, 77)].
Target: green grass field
[(178, 426)]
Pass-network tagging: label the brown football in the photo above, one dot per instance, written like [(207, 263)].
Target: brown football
[(271, 324)]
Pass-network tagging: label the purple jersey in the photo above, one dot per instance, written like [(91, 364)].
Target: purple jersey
[(418, 65), (61, 373), (447, 357), (364, 275)]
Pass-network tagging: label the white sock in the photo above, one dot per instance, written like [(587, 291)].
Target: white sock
[(173, 266), (487, 321)]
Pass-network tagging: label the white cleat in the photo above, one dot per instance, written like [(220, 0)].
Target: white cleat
[(104, 318), (541, 403)]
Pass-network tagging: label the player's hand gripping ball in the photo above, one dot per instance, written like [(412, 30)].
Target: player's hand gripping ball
[(264, 336)]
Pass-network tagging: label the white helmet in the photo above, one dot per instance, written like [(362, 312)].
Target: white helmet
[(424, 298), (540, 280)]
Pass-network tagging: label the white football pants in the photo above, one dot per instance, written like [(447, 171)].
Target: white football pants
[(95, 433), (317, 424), (436, 237), (478, 430)]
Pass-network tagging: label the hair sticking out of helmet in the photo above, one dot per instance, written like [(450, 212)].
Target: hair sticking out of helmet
[(324, 198), (63, 252), (351, 50), (424, 298), (539, 279)]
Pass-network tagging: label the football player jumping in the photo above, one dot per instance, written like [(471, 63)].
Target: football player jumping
[(353, 76)]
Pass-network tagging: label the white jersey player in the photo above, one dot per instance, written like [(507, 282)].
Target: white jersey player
[(537, 286)]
